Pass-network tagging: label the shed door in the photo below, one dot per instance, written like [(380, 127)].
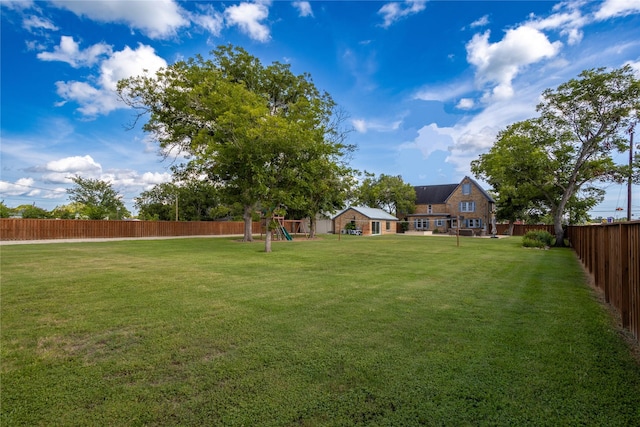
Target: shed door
[(375, 227)]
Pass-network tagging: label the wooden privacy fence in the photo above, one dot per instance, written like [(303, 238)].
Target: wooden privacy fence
[(521, 229), (611, 254), (44, 229)]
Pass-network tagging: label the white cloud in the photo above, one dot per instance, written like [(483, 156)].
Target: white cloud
[(304, 8), (32, 22), (157, 19), (393, 12), (73, 164), (615, 8), (481, 22), (475, 134), (248, 17), (363, 126), (211, 20), (430, 139), (568, 23), (465, 104), (22, 187), (60, 171), (444, 93), (101, 98), (56, 193), (154, 178), (17, 4), (130, 179), (69, 51), (499, 63), (359, 125), (127, 63)]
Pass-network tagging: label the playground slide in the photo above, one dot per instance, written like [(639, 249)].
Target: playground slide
[(286, 233)]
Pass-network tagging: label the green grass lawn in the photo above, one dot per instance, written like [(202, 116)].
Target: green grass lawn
[(394, 330)]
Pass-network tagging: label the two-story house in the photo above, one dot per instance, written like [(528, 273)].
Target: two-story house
[(449, 206)]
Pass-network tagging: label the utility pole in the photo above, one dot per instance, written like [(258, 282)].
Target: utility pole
[(630, 182)]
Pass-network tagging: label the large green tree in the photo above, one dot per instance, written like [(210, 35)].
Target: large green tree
[(258, 131), (386, 192), (98, 199), (554, 159), (588, 117)]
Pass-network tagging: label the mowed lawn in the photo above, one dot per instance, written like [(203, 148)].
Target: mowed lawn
[(393, 330)]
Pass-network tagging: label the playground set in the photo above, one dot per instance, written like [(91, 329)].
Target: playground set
[(286, 228)]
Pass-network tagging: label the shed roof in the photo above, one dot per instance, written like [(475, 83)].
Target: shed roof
[(372, 213)]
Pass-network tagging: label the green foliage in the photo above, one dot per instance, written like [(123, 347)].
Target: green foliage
[(208, 332), (98, 199), (31, 211), (268, 137), (193, 200), (537, 238), (548, 164), (70, 211), (386, 192), (350, 226), (5, 212)]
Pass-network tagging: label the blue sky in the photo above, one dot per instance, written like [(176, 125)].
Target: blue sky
[(426, 84)]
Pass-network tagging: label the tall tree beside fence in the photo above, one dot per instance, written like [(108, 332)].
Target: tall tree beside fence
[(246, 126), (569, 146)]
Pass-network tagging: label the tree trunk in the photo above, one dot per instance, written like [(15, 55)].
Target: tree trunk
[(559, 211), (248, 222), (557, 228), (267, 237), (511, 226), (312, 227)]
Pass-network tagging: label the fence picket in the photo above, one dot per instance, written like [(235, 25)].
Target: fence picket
[(610, 253), (51, 229)]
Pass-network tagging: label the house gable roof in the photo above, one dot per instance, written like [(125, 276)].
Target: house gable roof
[(371, 213), (434, 194), (482, 190), (438, 194)]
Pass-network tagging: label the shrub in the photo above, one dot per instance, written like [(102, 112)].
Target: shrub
[(537, 239), (532, 243)]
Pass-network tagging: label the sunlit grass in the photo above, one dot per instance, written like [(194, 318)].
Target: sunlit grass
[(394, 330)]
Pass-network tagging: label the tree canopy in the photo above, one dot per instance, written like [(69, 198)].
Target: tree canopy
[(261, 132), (386, 192), (553, 160), (98, 199)]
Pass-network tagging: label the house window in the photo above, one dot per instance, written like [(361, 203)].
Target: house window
[(440, 222), (429, 209), (388, 225), (421, 224), (454, 223), (466, 189), (473, 223), (467, 206)]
